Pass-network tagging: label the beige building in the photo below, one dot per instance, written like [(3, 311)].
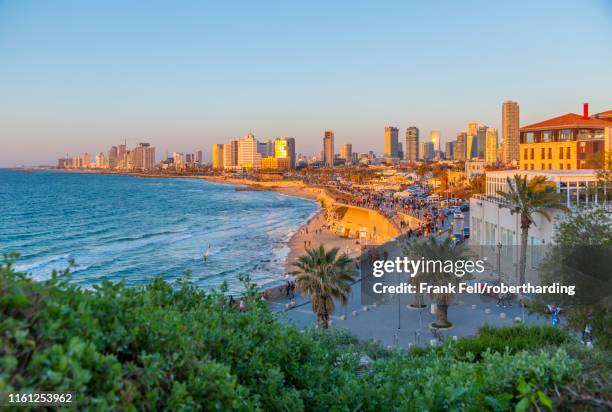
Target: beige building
[(491, 145), (346, 152), (411, 148), (143, 157), (510, 132), (217, 156)]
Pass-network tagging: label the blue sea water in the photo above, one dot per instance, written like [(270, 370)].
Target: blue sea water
[(132, 229)]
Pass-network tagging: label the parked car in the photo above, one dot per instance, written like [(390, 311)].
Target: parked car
[(466, 232), (464, 207), (457, 238), (457, 215)]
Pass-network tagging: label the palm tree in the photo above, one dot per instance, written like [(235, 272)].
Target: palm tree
[(527, 198), (325, 276), (434, 251)]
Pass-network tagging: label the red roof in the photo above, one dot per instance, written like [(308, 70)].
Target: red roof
[(568, 120), (606, 115)]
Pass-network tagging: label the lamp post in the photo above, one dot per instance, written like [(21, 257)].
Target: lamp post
[(499, 248)]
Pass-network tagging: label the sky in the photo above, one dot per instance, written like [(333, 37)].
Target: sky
[(80, 76)]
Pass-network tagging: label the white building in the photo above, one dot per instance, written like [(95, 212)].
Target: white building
[(474, 168), (495, 232), (248, 155)]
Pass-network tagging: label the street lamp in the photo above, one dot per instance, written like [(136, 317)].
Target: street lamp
[(499, 248)]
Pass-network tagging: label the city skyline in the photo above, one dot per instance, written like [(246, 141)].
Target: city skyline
[(208, 73)]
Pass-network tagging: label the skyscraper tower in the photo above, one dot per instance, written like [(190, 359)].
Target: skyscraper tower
[(482, 141), (412, 144), (460, 148), (491, 146), (391, 142), (510, 132), (328, 148), (434, 136), (347, 152)]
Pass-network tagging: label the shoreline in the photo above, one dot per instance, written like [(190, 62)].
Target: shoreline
[(314, 231)]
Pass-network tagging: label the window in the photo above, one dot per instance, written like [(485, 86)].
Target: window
[(560, 153), (569, 166), (532, 152), (550, 166), (549, 153), (565, 135), (547, 136), (536, 252), (525, 154), (543, 153), (532, 166), (529, 137), (542, 166), (561, 166), (568, 153)]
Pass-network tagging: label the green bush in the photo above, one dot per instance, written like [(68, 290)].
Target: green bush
[(511, 338), (174, 347)]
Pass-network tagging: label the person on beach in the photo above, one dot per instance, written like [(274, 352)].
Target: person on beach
[(206, 253), (241, 306)]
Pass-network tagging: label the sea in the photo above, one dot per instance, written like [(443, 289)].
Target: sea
[(132, 229)]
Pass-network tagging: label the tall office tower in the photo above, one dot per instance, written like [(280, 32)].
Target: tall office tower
[(427, 151), (100, 161), (449, 150), (85, 162), (391, 142), (472, 128), (471, 147), (198, 156), (143, 157), (218, 155), (482, 141), (112, 157), (229, 160), (491, 146), (262, 149), (284, 148), (400, 150), (189, 158), (434, 136), (460, 148), (177, 158), (328, 148), (121, 157), (412, 144), (248, 156), (347, 152), (270, 145), (510, 132)]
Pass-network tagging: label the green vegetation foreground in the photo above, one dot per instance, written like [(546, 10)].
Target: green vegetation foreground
[(163, 347)]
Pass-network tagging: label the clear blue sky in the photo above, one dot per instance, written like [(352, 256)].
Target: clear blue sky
[(82, 75)]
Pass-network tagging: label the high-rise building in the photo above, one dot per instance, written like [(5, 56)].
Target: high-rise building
[(510, 132), (491, 145), (449, 150), (482, 141), (198, 156), (143, 157), (434, 136), (112, 157), (427, 151), (100, 161), (460, 148), (391, 142), (85, 161), (177, 158), (346, 152), (122, 156), (218, 155), (472, 128), (284, 148), (471, 147), (412, 144), (328, 148), (248, 156)]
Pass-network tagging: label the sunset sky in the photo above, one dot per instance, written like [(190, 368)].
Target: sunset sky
[(84, 75)]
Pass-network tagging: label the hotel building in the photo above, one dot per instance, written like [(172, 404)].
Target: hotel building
[(248, 156), (567, 142), (217, 156)]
